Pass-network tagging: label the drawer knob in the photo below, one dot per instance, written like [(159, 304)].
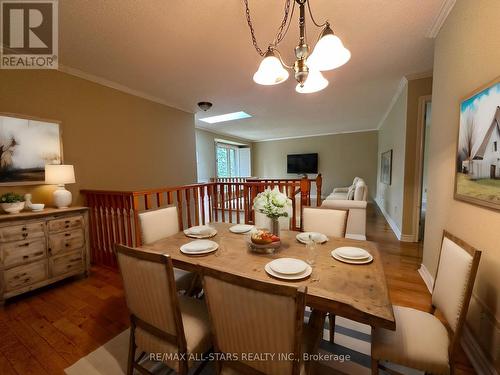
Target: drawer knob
[(25, 256), (24, 228), (50, 250), (67, 234), (67, 245), (24, 244), (67, 222), (25, 235)]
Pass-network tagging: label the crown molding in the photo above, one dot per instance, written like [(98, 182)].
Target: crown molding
[(116, 86), (314, 135), (402, 84), (438, 22)]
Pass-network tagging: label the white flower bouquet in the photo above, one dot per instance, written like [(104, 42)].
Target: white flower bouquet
[(273, 203)]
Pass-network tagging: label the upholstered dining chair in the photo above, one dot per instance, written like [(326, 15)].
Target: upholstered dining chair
[(163, 223), (161, 321), (421, 341), (251, 316), (328, 221), (332, 223)]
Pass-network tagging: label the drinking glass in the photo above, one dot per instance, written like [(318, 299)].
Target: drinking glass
[(311, 251)]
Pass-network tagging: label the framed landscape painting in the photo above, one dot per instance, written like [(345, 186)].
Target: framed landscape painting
[(26, 145), (478, 153), (386, 167)]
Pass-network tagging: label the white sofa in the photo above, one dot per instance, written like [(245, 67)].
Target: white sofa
[(354, 199), (358, 191)]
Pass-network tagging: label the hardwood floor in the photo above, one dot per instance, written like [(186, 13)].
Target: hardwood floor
[(45, 331)]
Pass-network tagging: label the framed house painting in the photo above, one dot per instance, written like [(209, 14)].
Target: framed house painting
[(26, 145), (386, 167), (478, 148)]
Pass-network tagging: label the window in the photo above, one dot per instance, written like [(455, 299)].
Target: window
[(232, 160), (495, 146)]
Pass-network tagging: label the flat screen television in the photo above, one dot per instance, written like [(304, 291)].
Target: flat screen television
[(302, 163)]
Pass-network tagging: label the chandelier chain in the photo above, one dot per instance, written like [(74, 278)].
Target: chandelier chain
[(281, 30)]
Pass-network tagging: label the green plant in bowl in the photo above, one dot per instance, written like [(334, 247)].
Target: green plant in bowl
[(12, 203)]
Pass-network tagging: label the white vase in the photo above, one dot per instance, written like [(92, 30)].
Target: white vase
[(13, 208), (62, 197)]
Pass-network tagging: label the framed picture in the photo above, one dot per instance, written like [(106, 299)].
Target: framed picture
[(386, 167), (26, 145), (478, 148)]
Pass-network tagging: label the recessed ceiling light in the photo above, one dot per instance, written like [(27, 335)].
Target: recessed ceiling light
[(227, 117)]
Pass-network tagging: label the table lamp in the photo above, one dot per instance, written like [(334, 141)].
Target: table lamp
[(60, 174)]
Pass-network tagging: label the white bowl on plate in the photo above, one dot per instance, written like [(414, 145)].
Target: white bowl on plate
[(35, 207)]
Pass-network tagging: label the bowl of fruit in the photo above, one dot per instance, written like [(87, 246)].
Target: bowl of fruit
[(263, 241)]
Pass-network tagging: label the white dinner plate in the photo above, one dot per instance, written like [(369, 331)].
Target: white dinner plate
[(201, 231), (297, 276), (353, 253), (241, 228), (288, 266), (351, 261), (317, 237), (199, 247)]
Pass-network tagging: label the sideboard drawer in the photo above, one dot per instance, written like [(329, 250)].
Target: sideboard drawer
[(71, 262), (67, 223), (22, 232), (15, 253), (19, 277), (66, 241)]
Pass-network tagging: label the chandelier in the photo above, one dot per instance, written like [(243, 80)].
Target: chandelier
[(328, 53)]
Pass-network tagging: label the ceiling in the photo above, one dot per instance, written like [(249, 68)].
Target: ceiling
[(181, 52)]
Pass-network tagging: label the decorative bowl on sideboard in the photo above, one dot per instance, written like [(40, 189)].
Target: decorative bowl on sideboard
[(13, 208)]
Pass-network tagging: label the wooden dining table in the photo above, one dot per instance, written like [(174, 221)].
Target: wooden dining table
[(357, 292)]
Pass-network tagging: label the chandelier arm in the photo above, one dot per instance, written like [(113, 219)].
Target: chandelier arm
[(281, 59), (326, 23)]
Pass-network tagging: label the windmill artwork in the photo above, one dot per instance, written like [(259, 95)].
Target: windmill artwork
[(478, 155), (26, 146)]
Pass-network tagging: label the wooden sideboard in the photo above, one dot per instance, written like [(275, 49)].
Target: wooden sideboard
[(39, 248)]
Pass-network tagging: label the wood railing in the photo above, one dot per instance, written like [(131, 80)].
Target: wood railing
[(114, 214)]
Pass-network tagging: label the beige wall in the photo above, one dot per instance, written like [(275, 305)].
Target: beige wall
[(205, 152), (115, 140), (391, 135), (398, 132), (467, 56), (341, 158)]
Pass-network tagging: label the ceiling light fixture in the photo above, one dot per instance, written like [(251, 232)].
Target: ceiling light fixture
[(329, 52), (227, 117)]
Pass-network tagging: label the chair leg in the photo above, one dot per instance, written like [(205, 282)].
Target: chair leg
[(131, 349), (331, 321), (374, 366)]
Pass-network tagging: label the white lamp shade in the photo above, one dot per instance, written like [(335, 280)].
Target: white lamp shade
[(329, 53), (57, 174), (270, 72), (314, 82)]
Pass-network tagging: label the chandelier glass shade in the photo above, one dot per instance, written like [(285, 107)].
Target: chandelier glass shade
[(315, 82), (270, 71), (328, 53)]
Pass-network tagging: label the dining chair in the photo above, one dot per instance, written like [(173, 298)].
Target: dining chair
[(161, 321), (328, 221), (162, 223), (421, 341), (332, 223), (256, 317)]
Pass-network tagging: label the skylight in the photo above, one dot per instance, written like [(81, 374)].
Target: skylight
[(227, 117)]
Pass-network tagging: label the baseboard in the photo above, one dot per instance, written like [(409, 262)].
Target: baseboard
[(471, 347), (389, 220), (427, 277), (475, 353)]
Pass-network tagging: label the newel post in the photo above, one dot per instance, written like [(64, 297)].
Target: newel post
[(137, 228), (319, 183), (305, 190)]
